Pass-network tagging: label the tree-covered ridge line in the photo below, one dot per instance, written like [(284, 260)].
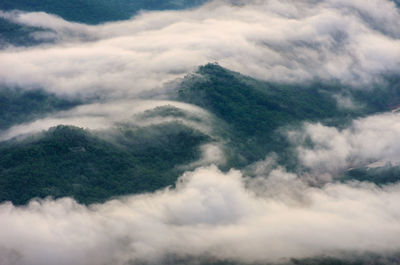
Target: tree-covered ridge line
[(70, 161), (259, 114), (252, 118)]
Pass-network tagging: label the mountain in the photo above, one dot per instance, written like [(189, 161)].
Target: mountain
[(256, 112), (18, 106), (251, 118), (70, 161)]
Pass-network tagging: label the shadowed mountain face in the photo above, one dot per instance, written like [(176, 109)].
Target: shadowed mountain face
[(83, 11), (11, 33), (69, 161), (19, 106), (94, 12)]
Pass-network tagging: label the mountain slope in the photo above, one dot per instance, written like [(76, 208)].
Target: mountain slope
[(258, 114), (252, 119), (69, 161), (255, 110), (19, 106)]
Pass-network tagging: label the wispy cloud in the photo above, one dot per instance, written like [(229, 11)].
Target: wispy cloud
[(103, 116), (293, 41)]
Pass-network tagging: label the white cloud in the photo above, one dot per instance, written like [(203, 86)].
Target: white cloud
[(209, 214), (367, 140), (286, 41), (42, 20), (212, 213), (103, 116)]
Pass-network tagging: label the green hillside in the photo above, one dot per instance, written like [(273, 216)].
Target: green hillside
[(257, 111), (18, 106), (251, 119), (69, 161)]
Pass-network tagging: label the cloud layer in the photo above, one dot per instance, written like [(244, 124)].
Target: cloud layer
[(106, 115), (352, 41), (219, 215), (209, 214), (366, 141)]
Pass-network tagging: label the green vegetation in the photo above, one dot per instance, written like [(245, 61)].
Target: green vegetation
[(380, 175), (96, 11), (255, 110), (83, 11), (330, 261), (164, 111), (350, 259), (257, 113), (17, 106), (251, 118), (69, 161)]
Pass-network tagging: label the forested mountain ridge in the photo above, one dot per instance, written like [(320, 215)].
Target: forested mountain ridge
[(19, 106), (257, 111), (120, 143), (70, 161), (252, 118)]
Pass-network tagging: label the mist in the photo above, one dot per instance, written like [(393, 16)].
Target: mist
[(289, 41), (272, 217), (109, 115), (210, 213), (366, 141)]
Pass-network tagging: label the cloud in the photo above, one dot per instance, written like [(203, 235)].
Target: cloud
[(272, 217), (367, 140), (42, 20), (291, 41), (346, 102), (211, 153), (108, 115), (210, 213)]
